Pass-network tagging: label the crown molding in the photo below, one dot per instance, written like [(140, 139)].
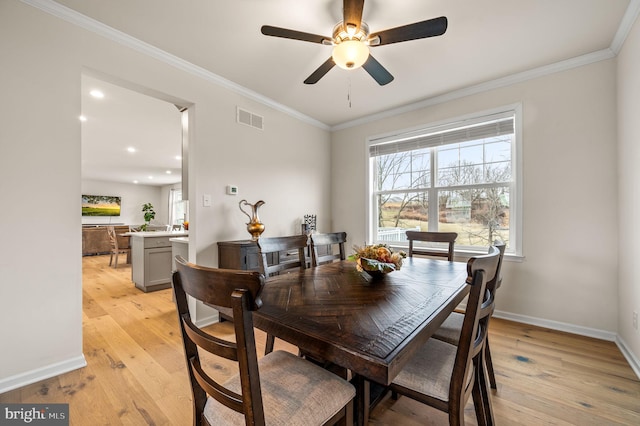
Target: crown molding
[(629, 18), (483, 87), (89, 24), (73, 17), (626, 24)]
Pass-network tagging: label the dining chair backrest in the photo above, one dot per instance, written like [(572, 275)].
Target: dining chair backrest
[(450, 329), (327, 240), (279, 245), (276, 246), (480, 306), (113, 238), (496, 281), (448, 238), (500, 245), (118, 244), (239, 291)]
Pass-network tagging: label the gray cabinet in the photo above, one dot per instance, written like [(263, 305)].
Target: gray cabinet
[(151, 260)]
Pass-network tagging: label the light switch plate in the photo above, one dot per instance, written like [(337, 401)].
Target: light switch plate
[(232, 190), (206, 200)]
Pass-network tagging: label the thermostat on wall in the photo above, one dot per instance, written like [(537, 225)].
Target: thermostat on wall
[(232, 190)]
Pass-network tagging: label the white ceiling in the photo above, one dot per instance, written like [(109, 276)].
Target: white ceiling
[(486, 40), (126, 119)]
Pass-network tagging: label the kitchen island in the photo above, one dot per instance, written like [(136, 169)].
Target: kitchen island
[(151, 260)]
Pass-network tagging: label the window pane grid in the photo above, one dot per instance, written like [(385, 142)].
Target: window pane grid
[(471, 182)]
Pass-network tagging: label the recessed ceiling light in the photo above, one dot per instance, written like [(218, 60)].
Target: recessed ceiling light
[(83, 118), (150, 177), (135, 181), (178, 157), (131, 149), (96, 94), (168, 172)]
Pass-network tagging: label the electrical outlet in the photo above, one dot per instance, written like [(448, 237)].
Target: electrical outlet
[(635, 320)]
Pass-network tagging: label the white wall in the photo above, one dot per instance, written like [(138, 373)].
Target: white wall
[(286, 165), (629, 188), (40, 79), (132, 198), (569, 273)]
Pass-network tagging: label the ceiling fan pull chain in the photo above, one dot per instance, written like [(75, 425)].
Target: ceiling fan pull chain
[(349, 92)]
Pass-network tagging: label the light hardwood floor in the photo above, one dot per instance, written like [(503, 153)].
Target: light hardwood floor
[(136, 369)]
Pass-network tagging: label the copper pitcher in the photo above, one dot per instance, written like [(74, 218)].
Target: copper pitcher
[(255, 227)]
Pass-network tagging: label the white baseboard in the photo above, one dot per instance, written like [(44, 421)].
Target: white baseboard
[(559, 326), (203, 322), (32, 376), (633, 360)]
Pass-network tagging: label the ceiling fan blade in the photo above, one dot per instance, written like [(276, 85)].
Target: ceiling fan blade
[(429, 28), (292, 34), (320, 72), (377, 71), (352, 13)]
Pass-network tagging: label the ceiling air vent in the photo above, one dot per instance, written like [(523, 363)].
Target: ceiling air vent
[(247, 118)]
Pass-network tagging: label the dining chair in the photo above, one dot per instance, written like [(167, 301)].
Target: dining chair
[(327, 240), (432, 237), (278, 389), (450, 329), (443, 375), (279, 248), (283, 249), (116, 248)]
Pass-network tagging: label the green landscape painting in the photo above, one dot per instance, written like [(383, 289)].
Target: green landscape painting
[(100, 205)]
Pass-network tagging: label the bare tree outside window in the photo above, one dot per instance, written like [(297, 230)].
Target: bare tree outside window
[(396, 173)]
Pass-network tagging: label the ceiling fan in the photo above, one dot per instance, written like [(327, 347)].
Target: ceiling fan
[(351, 41)]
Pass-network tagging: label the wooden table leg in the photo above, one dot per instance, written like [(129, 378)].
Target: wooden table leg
[(363, 399)]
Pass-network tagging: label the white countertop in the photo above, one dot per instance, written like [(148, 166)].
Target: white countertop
[(149, 234), (184, 240)]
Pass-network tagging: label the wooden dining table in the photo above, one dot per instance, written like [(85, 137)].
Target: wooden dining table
[(371, 327)]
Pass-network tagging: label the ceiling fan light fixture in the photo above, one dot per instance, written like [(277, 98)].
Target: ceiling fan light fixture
[(350, 54)]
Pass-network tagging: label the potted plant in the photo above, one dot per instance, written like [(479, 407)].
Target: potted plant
[(149, 214)]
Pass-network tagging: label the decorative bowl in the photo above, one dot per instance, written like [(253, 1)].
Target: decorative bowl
[(376, 275), (374, 268)]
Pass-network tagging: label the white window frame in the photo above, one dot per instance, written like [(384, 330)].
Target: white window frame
[(176, 206), (514, 249)]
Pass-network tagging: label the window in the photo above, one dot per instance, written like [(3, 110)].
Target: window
[(177, 207), (460, 177)]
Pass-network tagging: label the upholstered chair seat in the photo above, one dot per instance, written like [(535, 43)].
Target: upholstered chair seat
[(294, 392), (435, 381), (449, 331)]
